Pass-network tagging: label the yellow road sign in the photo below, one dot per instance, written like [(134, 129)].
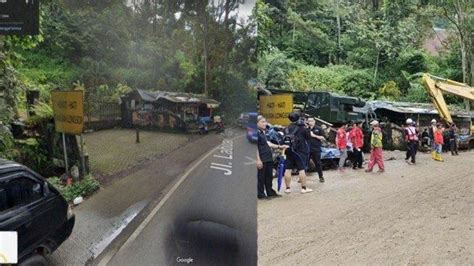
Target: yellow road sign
[(68, 107), (276, 108)]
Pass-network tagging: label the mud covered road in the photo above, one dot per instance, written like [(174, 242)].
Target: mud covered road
[(421, 214)]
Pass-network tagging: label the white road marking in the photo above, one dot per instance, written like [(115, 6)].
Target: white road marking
[(251, 161), (150, 216)]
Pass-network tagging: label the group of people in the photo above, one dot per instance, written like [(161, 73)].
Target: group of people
[(350, 138), (304, 142), (432, 136)]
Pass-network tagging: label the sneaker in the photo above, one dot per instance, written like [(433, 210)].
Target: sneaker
[(368, 170), (287, 191), (380, 171), (321, 179), (275, 196), (307, 190)]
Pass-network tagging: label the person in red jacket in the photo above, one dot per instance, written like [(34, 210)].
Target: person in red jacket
[(341, 142), (357, 138), (439, 141)]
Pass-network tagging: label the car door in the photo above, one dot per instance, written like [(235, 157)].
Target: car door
[(23, 203)]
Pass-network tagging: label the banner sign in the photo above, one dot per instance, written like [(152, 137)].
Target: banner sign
[(19, 17), (68, 107), (276, 108)]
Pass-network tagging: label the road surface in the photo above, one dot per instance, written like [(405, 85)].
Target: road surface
[(208, 217), (419, 214), (102, 217)]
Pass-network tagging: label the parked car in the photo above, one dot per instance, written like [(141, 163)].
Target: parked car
[(34, 209), (252, 133), (243, 119)]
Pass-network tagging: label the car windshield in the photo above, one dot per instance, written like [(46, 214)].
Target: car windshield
[(252, 119)]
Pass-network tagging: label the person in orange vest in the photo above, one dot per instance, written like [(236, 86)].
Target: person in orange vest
[(357, 138), (439, 141), (376, 153)]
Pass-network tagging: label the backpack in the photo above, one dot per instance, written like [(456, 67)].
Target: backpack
[(290, 137)]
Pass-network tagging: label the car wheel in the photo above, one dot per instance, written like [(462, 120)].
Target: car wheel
[(35, 260)]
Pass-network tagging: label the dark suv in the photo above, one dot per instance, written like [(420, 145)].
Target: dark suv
[(35, 210)]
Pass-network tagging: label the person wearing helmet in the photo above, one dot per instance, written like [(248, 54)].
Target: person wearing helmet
[(376, 152), (411, 139), (297, 136), (439, 141)]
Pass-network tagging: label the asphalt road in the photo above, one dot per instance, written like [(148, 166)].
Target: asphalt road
[(209, 217)]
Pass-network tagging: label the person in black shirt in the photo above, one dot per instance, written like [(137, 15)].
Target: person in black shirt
[(297, 155), (265, 161), (315, 143), (453, 139)]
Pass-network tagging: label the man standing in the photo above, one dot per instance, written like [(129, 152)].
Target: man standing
[(296, 158), (432, 135), (341, 143), (453, 146), (411, 138), (265, 162), (357, 137), (376, 153), (315, 143)]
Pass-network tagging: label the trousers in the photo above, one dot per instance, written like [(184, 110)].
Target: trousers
[(376, 156), (264, 180)]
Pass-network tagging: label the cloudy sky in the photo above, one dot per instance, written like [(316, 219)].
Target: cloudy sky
[(245, 9)]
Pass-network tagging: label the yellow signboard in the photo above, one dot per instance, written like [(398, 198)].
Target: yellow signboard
[(68, 107), (276, 108)]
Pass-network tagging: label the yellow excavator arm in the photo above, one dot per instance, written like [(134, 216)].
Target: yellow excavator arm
[(437, 86)]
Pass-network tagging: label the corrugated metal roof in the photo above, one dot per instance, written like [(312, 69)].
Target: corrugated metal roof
[(404, 107), (176, 97)]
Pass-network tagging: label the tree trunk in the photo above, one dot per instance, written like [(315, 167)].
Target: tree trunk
[(376, 66), (465, 41), (338, 20), (205, 39)]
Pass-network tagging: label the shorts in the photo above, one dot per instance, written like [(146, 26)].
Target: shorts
[(295, 161)]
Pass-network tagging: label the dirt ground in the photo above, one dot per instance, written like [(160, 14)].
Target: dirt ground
[(419, 214)]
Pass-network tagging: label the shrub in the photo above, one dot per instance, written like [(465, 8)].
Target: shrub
[(84, 188), (359, 83), (390, 90)]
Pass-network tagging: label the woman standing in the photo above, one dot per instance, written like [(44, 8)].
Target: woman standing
[(439, 141)]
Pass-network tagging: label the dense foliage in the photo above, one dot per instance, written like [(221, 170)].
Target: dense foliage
[(110, 47), (370, 49)]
